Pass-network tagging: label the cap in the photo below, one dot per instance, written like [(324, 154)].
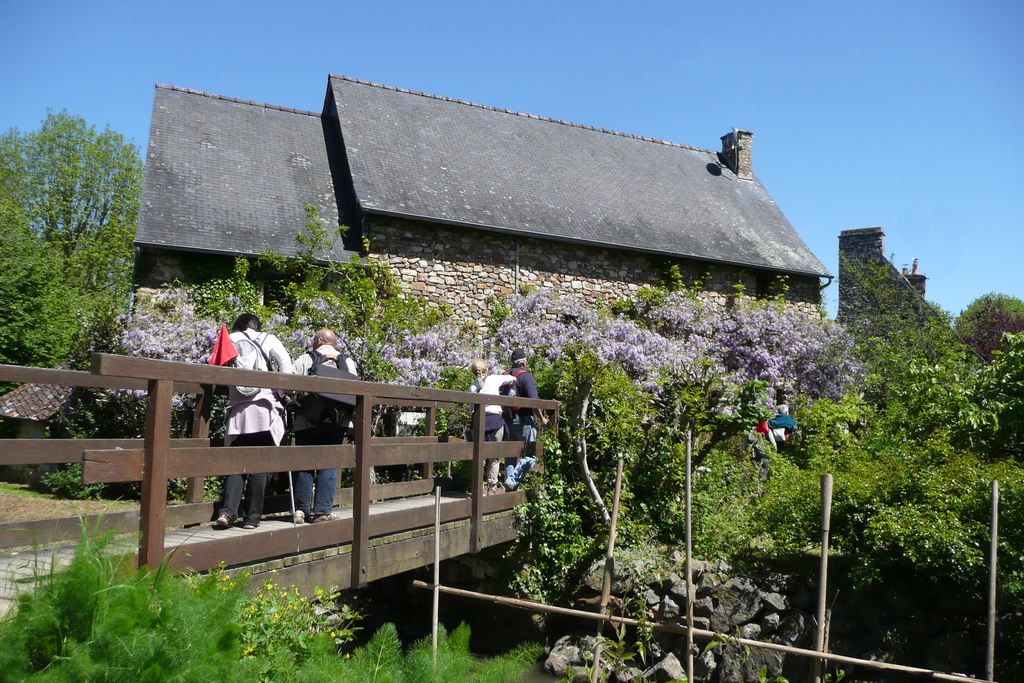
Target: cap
[(518, 355)]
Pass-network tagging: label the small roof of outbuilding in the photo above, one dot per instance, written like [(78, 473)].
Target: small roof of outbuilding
[(231, 176), (439, 159), (34, 402)]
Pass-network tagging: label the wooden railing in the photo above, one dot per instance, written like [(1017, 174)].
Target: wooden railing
[(157, 457)]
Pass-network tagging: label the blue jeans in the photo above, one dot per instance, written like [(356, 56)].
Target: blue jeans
[(523, 429), (323, 500), (326, 480)]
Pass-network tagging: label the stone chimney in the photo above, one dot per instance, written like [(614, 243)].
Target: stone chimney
[(736, 154), (862, 245), (916, 279)]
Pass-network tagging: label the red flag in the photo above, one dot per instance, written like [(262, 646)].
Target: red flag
[(223, 349)]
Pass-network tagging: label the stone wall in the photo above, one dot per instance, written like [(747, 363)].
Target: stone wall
[(464, 268)]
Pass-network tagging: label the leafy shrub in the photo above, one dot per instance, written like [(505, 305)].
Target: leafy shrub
[(382, 661)]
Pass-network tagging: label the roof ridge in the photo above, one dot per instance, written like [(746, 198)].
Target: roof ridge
[(503, 110), (236, 100)]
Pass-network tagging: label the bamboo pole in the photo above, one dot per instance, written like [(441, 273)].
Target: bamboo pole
[(437, 574), (819, 633), (609, 568), (703, 634), (993, 561), (689, 561)]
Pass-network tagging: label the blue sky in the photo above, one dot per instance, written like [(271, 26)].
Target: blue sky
[(905, 115)]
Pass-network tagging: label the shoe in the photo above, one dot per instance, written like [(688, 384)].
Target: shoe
[(250, 525), (299, 517), (321, 518), (495, 490), (510, 487), (223, 522)]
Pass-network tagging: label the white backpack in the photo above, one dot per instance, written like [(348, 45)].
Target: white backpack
[(251, 356)]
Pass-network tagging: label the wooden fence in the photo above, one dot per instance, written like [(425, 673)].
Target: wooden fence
[(158, 457)]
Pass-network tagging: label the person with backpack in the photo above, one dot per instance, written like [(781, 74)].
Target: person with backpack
[(494, 423), (324, 423), (255, 417), (523, 422)]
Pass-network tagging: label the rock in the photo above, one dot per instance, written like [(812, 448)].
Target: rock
[(703, 607), (668, 669), (704, 666), (628, 675), (739, 601), (770, 623), (567, 653), (794, 630), (556, 665), (676, 587), (738, 665), (775, 602), (669, 608), (750, 631), (651, 599), (621, 584)]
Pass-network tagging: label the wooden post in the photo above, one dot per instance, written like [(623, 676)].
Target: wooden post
[(428, 468), (361, 492), (993, 561), (154, 472), (689, 560), (201, 430), (437, 572), (609, 568), (476, 481), (819, 633)]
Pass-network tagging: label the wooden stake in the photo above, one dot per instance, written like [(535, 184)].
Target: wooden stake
[(689, 561), (609, 568), (153, 506), (993, 561), (826, 515), (437, 573)]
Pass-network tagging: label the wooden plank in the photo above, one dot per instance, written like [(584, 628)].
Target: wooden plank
[(383, 523), (361, 490), (154, 477), (431, 422), (403, 454), (125, 366), (200, 429), (389, 559), (126, 465), (54, 451), (78, 378), (477, 477), (400, 489), (404, 440), (237, 547)]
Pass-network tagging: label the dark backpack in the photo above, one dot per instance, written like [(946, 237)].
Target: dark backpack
[(323, 409), (510, 412)]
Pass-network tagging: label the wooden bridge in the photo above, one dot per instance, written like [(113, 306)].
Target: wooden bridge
[(379, 530)]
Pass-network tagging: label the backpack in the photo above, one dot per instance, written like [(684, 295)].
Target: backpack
[(251, 356), (323, 409), (510, 412)]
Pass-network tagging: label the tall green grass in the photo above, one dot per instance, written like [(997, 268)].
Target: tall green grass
[(101, 619)]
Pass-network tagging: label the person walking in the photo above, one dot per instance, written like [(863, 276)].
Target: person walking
[(523, 422), (494, 423), (318, 506), (255, 417)]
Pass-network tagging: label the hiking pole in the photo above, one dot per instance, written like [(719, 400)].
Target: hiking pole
[(291, 496)]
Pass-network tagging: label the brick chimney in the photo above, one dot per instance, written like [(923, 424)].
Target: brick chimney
[(736, 154), (858, 246), (916, 279)]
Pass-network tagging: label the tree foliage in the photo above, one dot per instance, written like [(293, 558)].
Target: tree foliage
[(986, 319)]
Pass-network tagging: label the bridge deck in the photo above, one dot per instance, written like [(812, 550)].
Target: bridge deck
[(307, 555)]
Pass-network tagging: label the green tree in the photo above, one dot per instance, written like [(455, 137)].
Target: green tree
[(982, 324), (36, 323), (79, 188)]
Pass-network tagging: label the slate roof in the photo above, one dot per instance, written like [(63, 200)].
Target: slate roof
[(231, 176), (35, 402), (438, 159)]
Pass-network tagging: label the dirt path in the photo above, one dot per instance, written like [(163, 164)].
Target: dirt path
[(18, 504)]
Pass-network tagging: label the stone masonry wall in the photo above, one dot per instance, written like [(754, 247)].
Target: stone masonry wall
[(862, 262), (464, 268)]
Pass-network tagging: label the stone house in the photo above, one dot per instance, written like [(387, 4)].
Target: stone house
[(464, 202)]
